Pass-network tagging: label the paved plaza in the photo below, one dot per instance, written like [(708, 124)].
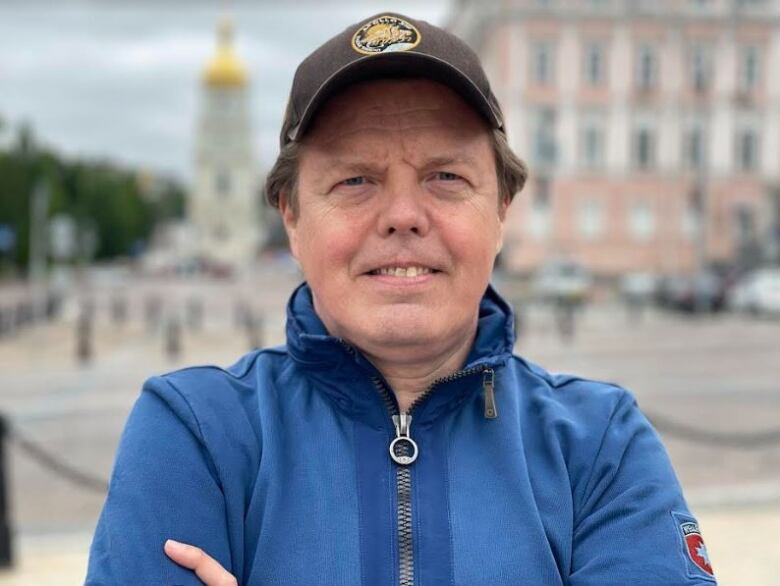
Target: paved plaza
[(717, 375)]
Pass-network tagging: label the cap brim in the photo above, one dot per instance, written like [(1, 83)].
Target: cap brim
[(401, 64)]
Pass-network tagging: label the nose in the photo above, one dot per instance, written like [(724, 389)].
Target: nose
[(403, 206)]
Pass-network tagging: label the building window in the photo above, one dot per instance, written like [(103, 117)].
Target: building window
[(594, 64), (644, 148), (749, 66), (540, 218), (544, 150), (694, 152), (592, 145), (747, 150), (701, 67), (641, 221), (543, 65), (646, 68), (591, 219), (222, 183)]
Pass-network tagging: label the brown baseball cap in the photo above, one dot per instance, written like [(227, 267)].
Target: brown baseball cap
[(388, 45)]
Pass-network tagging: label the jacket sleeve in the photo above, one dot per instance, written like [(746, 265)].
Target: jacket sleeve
[(163, 485), (631, 518)]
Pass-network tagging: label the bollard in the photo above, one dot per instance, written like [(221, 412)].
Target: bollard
[(22, 316), (152, 312), (6, 549), (172, 339), (84, 336), (565, 309), (254, 329), (194, 310), (53, 305), (5, 322), (118, 310)]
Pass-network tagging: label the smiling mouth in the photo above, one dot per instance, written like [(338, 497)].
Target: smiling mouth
[(404, 272)]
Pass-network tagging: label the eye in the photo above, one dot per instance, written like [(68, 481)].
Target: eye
[(354, 181), (447, 176)]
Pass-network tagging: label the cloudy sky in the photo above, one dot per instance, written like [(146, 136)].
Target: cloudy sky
[(120, 79)]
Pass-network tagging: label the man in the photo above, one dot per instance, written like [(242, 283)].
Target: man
[(395, 439)]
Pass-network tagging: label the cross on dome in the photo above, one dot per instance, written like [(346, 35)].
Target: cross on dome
[(225, 69)]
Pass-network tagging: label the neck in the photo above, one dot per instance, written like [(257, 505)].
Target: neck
[(411, 378)]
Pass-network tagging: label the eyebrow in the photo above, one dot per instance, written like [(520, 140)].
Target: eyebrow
[(446, 160), (346, 164)]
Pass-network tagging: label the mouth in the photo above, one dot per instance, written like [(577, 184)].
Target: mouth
[(408, 272)]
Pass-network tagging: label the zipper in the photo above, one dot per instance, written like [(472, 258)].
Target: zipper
[(403, 451), (400, 453), (488, 385)]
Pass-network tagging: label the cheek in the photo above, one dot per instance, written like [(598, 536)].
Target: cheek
[(326, 245), (474, 243)]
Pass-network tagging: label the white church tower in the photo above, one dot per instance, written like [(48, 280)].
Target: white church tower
[(224, 209)]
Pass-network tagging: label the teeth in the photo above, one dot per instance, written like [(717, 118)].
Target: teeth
[(408, 272)]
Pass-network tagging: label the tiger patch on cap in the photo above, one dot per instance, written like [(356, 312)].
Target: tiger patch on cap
[(385, 34)]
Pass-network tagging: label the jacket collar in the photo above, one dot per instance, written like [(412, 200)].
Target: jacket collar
[(340, 367)]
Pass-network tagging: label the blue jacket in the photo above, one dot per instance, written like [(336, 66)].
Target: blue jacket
[(280, 468)]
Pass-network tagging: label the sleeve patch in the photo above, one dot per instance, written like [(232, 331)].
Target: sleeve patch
[(694, 549)]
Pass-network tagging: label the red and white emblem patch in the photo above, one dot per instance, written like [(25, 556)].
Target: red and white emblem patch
[(694, 544)]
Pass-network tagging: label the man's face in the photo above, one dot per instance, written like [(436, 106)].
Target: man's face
[(398, 221)]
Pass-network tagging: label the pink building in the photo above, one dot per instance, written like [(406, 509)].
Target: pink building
[(651, 127)]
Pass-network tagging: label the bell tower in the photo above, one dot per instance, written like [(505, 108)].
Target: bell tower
[(224, 207)]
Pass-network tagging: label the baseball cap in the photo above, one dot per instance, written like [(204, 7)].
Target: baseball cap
[(388, 45)]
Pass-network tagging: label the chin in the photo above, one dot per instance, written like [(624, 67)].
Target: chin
[(401, 338), (397, 329)]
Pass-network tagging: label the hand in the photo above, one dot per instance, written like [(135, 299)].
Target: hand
[(206, 568)]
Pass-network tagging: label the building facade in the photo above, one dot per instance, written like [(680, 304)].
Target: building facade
[(223, 209), (651, 127)]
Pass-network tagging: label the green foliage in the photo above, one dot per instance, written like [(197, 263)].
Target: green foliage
[(118, 205)]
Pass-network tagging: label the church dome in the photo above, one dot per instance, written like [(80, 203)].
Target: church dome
[(225, 69)]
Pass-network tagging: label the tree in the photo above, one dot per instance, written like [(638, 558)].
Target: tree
[(100, 196)]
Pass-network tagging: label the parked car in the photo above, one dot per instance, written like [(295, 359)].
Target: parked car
[(638, 287), (562, 280), (758, 292), (704, 291)]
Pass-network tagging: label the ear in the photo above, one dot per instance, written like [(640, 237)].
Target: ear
[(502, 211), (290, 221)]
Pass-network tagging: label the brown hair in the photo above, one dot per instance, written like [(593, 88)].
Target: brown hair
[(511, 172)]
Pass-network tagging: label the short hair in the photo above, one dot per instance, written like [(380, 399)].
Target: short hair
[(511, 172)]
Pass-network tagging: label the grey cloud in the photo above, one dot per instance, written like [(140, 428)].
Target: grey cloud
[(121, 80)]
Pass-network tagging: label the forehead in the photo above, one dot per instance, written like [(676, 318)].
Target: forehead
[(406, 106)]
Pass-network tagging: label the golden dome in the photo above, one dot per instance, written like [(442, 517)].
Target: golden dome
[(225, 69)]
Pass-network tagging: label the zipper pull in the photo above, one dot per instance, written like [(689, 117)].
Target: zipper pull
[(488, 385), (403, 444)]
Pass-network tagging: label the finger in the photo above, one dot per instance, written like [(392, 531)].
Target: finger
[(206, 568)]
